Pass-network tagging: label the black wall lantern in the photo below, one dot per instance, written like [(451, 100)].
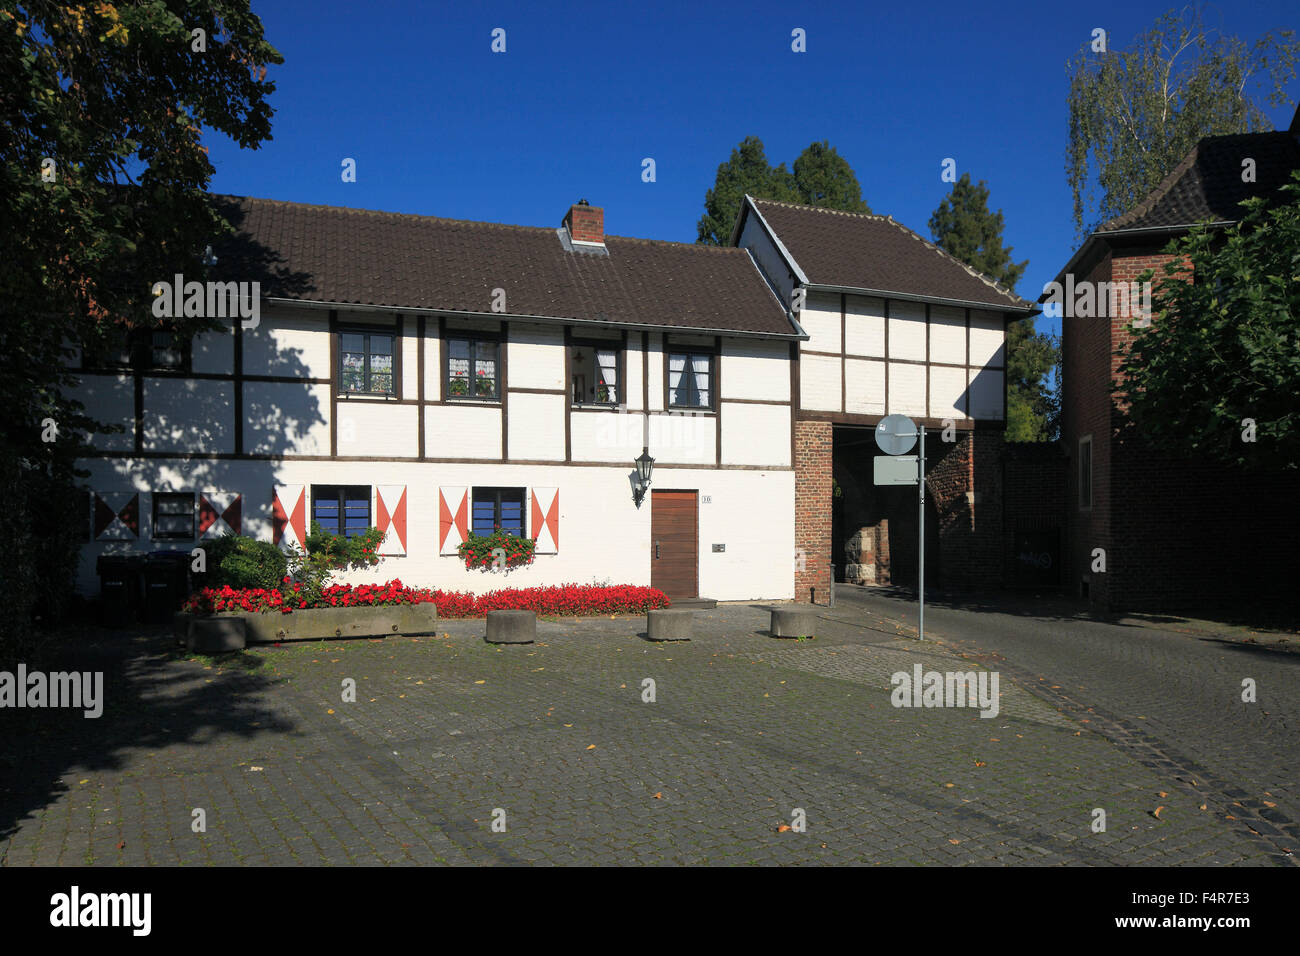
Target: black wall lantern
[(645, 466)]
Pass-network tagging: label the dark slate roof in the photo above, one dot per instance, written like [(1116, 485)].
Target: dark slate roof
[(862, 251), (1207, 184), (360, 257)]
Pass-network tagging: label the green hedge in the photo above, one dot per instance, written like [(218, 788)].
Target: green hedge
[(241, 562)]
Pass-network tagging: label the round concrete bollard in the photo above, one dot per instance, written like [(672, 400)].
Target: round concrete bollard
[(216, 635), (794, 620), (181, 626), (670, 624), (511, 627)]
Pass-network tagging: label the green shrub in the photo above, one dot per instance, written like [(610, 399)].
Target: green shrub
[(327, 553), (243, 562)]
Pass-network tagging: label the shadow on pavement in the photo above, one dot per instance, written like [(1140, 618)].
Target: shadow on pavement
[(1058, 607), (150, 702)]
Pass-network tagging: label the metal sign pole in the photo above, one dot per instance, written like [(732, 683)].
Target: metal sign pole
[(920, 545)]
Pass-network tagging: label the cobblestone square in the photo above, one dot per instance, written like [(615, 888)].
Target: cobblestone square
[(560, 744)]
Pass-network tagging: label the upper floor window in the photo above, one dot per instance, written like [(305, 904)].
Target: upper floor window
[(690, 380), (472, 367), (498, 509), (166, 350), (596, 374), (1085, 473), (366, 363), (341, 509), (139, 349)]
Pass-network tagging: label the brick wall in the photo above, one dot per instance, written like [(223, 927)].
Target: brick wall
[(965, 486), (812, 508), (1190, 534), (1177, 534), (1033, 512), (1087, 410)]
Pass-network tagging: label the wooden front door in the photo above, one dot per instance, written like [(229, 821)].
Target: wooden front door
[(675, 543)]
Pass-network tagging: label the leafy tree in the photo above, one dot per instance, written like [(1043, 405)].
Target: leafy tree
[(964, 227), (1134, 114), (1226, 347), (821, 177), (103, 180), (747, 171)]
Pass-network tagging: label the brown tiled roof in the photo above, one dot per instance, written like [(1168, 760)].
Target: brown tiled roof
[(1207, 184), (862, 251), (360, 257)]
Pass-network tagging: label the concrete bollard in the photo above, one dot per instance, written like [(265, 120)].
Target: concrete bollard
[(511, 627), (670, 624), (181, 626), (216, 635), (794, 620)]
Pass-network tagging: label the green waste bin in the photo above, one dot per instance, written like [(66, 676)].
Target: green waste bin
[(119, 588), (166, 585)]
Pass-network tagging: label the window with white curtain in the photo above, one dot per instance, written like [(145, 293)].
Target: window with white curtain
[(690, 380), (595, 374)]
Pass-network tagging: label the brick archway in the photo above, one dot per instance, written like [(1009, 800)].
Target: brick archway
[(963, 514)]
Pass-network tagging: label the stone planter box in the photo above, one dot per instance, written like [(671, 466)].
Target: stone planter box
[(219, 634), (326, 623)]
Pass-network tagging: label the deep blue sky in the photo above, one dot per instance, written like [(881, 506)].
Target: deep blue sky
[(439, 125)]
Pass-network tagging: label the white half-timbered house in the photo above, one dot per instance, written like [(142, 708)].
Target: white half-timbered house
[(435, 378)]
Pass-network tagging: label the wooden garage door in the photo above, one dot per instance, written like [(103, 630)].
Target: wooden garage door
[(674, 543)]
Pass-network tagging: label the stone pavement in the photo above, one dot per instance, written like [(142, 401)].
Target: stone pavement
[(555, 740)]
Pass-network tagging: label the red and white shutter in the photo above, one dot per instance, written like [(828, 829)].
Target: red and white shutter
[(390, 518), (544, 521), (220, 513), (116, 515), (289, 517), (453, 518)]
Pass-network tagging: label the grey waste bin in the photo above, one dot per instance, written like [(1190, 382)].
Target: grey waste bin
[(166, 585), (119, 588)]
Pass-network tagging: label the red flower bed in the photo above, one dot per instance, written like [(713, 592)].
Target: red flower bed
[(559, 601)]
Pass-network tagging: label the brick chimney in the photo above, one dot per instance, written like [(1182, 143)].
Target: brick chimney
[(586, 223)]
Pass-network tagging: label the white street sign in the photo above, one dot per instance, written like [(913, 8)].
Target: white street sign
[(895, 469), (896, 434)]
